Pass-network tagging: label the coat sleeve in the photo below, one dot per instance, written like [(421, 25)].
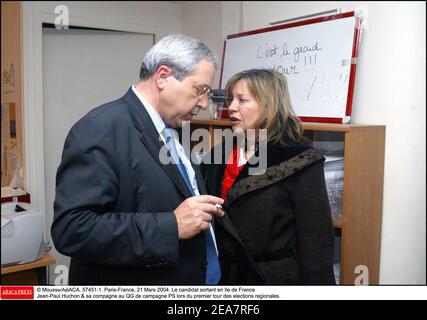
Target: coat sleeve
[(86, 225), (314, 227)]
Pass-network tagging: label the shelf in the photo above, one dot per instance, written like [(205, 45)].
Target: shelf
[(334, 127), (309, 126), (210, 122), (45, 260)]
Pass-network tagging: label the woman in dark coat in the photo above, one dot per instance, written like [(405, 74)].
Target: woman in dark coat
[(277, 228)]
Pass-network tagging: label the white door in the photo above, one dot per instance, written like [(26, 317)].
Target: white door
[(82, 69)]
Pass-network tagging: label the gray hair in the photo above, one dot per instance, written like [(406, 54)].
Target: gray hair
[(179, 52)]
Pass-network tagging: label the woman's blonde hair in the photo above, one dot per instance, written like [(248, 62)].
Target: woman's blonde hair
[(270, 89)]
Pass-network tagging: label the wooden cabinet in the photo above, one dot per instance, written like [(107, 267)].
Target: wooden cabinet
[(33, 273), (359, 229)]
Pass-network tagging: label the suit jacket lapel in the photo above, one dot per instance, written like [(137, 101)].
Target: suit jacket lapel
[(199, 179), (150, 138)]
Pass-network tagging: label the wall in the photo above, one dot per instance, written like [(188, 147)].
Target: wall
[(389, 90), (211, 22), (202, 20)]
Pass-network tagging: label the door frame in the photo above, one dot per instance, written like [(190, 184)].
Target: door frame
[(33, 19)]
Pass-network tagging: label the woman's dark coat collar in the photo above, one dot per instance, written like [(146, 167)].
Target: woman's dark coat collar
[(245, 183), (282, 161)]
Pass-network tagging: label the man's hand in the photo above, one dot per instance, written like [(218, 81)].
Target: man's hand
[(195, 214)]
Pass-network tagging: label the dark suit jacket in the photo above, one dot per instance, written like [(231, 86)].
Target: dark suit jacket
[(114, 203)]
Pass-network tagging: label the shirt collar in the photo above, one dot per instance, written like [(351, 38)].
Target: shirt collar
[(154, 115)]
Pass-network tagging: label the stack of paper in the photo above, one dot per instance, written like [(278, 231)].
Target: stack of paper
[(334, 178), (7, 192)]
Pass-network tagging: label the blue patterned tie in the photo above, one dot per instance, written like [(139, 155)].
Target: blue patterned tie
[(213, 272)]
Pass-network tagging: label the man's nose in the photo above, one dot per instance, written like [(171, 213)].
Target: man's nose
[(203, 102)]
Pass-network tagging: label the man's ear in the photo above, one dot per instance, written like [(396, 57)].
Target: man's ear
[(161, 76)]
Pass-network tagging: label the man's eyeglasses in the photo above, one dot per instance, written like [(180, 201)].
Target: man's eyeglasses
[(201, 90)]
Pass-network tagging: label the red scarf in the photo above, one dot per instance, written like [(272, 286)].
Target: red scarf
[(231, 171)]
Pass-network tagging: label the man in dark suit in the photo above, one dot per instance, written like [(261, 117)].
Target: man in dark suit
[(122, 214)]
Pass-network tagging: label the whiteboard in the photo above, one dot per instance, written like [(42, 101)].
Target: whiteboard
[(317, 57)]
